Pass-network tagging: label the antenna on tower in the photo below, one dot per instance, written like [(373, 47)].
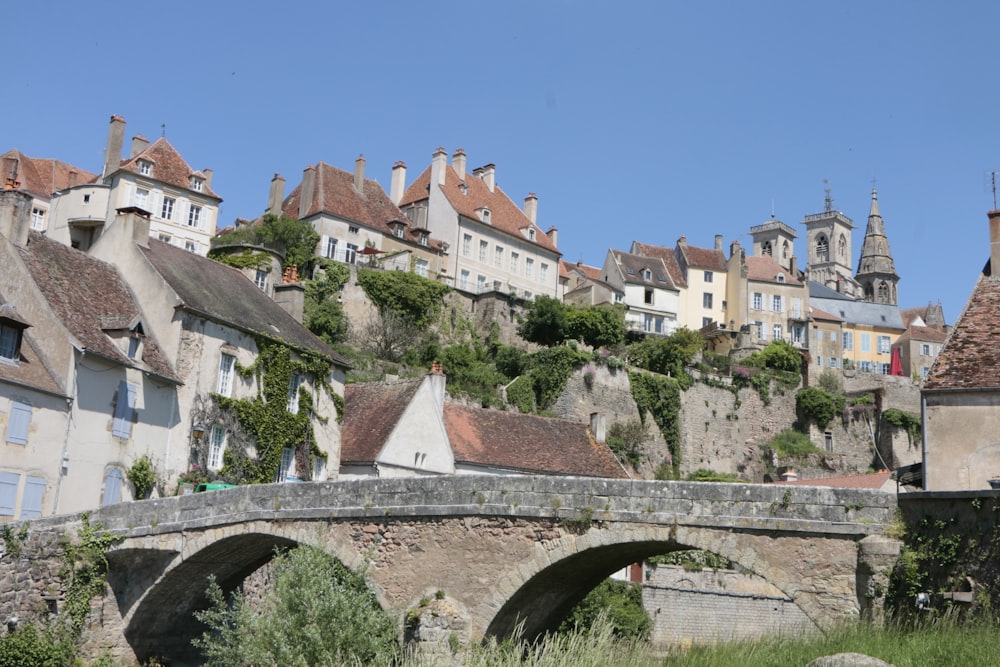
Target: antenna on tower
[(163, 129), (828, 199), (991, 180), (772, 208)]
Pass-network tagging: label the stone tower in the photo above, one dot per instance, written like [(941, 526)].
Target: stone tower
[(828, 242), (876, 270), (776, 239)]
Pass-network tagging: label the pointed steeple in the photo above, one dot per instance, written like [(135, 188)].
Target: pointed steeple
[(876, 270)]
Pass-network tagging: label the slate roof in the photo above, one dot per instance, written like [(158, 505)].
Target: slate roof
[(854, 312), (631, 268), (42, 176), (168, 167), (505, 215), (527, 443), (222, 293), (371, 411), (703, 258), (668, 257), (90, 298), (970, 359), (765, 269)]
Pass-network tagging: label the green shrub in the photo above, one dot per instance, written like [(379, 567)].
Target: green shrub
[(781, 356), (521, 394), (414, 297), (626, 440), (142, 477), (906, 420), (708, 475), (818, 405), (620, 601), (830, 382), (551, 369), (792, 443), (661, 397), (29, 645)]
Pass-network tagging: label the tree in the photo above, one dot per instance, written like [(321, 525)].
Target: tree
[(818, 405), (415, 298), (323, 314), (670, 355), (597, 326), (546, 322), (620, 601), (387, 334), (317, 613), (781, 356), (297, 237)]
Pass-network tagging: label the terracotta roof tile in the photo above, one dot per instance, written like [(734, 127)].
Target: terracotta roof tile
[(929, 334), (819, 314), (668, 257), (42, 176), (168, 167), (527, 443), (703, 258), (371, 411), (505, 215), (867, 481), (766, 269), (30, 371), (970, 359)]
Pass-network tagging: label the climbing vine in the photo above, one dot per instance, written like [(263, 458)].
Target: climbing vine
[(417, 299), (84, 570), (660, 396), (906, 420), (247, 259)]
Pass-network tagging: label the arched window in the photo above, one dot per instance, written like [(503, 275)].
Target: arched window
[(784, 250), (765, 248), (883, 292), (822, 248), (842, 246)]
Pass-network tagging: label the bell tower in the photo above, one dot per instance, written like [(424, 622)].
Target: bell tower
[(876, 270), (828, 243)]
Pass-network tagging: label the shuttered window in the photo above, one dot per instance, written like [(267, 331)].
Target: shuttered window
[(124, 410), (112, 487), (20, 420), (8, 492), (31, 503)]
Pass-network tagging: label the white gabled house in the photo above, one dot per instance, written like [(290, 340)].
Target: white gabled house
[(651, 298)]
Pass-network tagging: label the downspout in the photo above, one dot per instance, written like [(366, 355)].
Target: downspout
[(64, 457), (923, 437)]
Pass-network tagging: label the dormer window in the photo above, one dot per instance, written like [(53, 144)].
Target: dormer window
[(484, 214), (464, 188), (145, 168), (423, 239), (397, 229), (135, 342), (780, 277), (531, 234), (647, 274), (197, 184), (10, 342)]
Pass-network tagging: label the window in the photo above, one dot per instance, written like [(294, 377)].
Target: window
[(925, 349), (194, 216), (531, 234), (197, 184), (647, 274), (31, 501), (145, 168), (330, 251), (133, 345), (467, 244), (124, 410), (216, 446), (293, 393), (619, 297), (319, 467), (819, 360), (164, 237), (463, 280), (227, 363), (352, 229), (351, 254), (113, 479), (798, 334), (648, 297), (765, 248), (9, 482), (884, 343), (190, 246), (480, 284), (848, 340), (822, 248), (19, 423), (761, 331), (10, 342), (924, 370), (708, 276), (776, 305), (543, 272), (529, 266), (167, 208), (758, 301), (780, 277), (38, 219), (421, 267), (483, 248), (86, 199), (423, 239), (141, 198), (705, 321), (398, 231), (498, 256), (833, 362), (484, 215), (883, 369), (828, 441), (287, 463), (513, 262), (260, 279), (706, 300), (777, 332), (796, 307), (866, 342)]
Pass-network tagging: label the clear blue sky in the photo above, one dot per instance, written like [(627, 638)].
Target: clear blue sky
[(630, 120)]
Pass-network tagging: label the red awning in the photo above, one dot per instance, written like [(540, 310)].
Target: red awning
[(371, 251), (896, 367)]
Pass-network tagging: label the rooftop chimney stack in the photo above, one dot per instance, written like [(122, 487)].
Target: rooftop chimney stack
[(553, 235), (531, 207), (439, 165), (994, 217), (139, 144), (598, 426), (398, 184), (208, 171), (276, 195), (308, 190), (458, 163), (437, 380), (359, 174), (113, 151), (718, 241), (489, 175), (15, 216)]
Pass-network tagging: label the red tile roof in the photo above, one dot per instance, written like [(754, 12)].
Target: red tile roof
[(867, 481), (703, 258), (42, 176), (665, 254), (929, 334), (505, 215), (970, 359), (371, 411), (168, 167), (526, 443), (766, 269), (819, 314)]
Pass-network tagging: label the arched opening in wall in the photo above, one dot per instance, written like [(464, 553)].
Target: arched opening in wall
[(684, 593)]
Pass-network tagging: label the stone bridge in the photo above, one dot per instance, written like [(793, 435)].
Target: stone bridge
[(503, 549)]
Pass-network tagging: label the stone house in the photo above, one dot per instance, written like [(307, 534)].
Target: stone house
[(960, 395), (492, 244), (651, 297), (406, 428), (869, 330), (584, 286), (826, 333), (920, 344), (768, 299), (40, 178)]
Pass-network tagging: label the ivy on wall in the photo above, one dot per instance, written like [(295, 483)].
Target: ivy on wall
[(660, 396), (416, 298), (248, 259)]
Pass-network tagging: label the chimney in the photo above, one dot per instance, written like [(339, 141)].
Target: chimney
[(307, 191), (439, 163), (398, 186), (15, 216), (113, 151), (553, 235), (359, 174), (682, 241), (208, 171), (437, 380), (789, 475), (139, 144), (718, 241), (531, 207), (276, 195), (135, 223), (290, 294), (994, 217), (488, 173), (793, 266), (458, 163), (598, 426), (72, 177)]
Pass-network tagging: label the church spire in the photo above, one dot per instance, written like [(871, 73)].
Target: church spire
[(876, 270)]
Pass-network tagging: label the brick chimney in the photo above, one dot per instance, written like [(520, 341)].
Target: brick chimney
[(398, 185), (598, 426), (531, 207), (307, 191), (139, 144), (359, 174), (113, 150), (439, 163), (994, 217), (276, 195)]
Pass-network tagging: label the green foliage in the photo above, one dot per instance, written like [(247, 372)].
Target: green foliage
[(142, 477), (13, 542), (317, 613), (670, 355), (29, 645), (546, 322), (471, 372), (621, 602), (818, 405), (416, 298), (323, 314), (551, 369), (626, 440), (906, 420), (780, 355), (830, 382), (248, 259), (511, 361), (661, 397), (597, 326), (693, 560), (521, 394), (84, 572), (297, 237), (708, 475), (792, 443)]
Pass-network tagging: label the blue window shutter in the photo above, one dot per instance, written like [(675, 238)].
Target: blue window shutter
[(20, 420), (31, 503), (8, 492), (124, 408), (112, 487)]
